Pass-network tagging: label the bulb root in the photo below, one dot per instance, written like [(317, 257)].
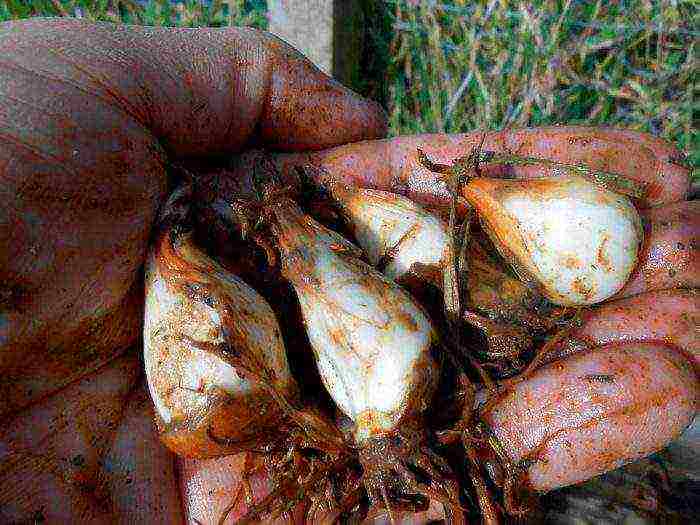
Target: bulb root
[(398, 469)]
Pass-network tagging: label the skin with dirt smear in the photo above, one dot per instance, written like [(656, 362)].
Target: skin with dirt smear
[(393, 164), (670, 255), (90, 116), (669, 317), (595, 411)]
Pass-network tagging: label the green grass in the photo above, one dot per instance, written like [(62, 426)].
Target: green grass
[(183, 13), (460, 65)]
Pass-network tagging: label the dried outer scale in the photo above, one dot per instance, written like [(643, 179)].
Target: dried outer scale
[(578, 241), (372, 341), (192, 303), (503, 297), (595, 411)]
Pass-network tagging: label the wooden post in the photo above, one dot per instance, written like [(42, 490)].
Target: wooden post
[(328, 32)]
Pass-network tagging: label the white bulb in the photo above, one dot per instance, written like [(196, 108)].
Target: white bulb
[(577, 240), (394, 229), (371, 340)]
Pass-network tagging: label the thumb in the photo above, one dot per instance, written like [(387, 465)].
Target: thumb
[(201, 92), (306, 109)]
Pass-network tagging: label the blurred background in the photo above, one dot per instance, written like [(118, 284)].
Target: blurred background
[(459, 65)]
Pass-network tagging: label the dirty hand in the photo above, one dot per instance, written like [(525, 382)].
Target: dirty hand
[(90, 117)]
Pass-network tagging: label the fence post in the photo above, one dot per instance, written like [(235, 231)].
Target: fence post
[(328, 32)]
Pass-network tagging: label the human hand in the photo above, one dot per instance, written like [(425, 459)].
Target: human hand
[(659, 302), (100, 471), (90, 117)]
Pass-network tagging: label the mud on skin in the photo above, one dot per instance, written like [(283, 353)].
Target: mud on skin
[(127, 100)]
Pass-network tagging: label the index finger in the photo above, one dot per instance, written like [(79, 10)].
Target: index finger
[(393, 164)]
